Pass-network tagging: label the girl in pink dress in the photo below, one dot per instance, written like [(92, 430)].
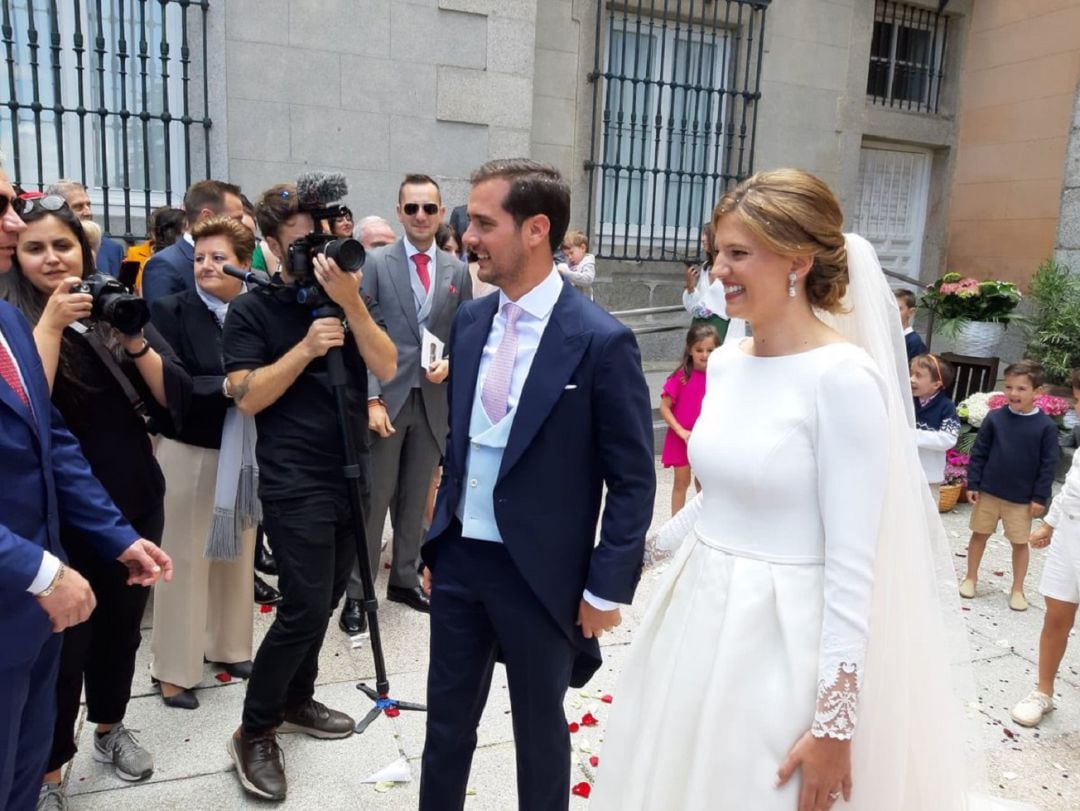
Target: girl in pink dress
[(680, 405)]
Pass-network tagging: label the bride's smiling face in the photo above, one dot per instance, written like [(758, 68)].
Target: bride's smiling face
[(755, 278)]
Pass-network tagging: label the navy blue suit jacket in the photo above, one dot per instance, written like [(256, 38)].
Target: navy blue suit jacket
[(109, 256), (169, 271), (583, 421), (44, 480)]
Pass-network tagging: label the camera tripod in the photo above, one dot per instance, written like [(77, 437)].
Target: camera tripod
[(380, 694)]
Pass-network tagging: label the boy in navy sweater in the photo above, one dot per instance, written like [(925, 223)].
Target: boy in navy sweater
[(905, 302), (1010, 475)]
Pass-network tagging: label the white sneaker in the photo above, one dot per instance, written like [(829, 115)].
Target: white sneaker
[(1032, 709)]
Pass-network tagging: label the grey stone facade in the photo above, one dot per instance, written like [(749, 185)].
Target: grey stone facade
[(377, 88), (1068, 238)]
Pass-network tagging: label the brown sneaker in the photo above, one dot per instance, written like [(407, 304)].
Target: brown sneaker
[(317, 720), (260, 764)]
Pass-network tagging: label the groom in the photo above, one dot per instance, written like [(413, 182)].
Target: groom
[(547, 405)]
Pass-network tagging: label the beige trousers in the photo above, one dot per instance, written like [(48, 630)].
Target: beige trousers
[(208, 608)]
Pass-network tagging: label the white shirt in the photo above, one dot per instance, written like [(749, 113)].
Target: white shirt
[(50, 564)]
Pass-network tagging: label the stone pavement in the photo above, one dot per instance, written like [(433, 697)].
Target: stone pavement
[(193, 770)]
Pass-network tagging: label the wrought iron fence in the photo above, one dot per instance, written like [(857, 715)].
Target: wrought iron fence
[(907, 56), (98, 92), (676, 85)]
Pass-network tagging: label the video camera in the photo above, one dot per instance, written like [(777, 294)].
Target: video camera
[(114, 303), (319, 193)]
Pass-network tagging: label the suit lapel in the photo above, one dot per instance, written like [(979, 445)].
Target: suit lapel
[(471, 334), (37, 416), (444, 271), (561, 347), (397, 263)]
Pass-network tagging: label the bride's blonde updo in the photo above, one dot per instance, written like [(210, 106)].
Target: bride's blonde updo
[(795, 214)]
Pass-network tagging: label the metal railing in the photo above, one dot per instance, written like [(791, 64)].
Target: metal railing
[(907, 57), (98, 92), (675, 91)]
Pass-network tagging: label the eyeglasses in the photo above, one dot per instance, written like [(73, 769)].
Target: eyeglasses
[(410, 209), (23, 204)]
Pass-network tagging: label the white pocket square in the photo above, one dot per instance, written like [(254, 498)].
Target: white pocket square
[(570, 386)]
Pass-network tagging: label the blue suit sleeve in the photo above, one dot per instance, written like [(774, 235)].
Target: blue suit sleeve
[(20, 560), (623, 426), (83, 502)]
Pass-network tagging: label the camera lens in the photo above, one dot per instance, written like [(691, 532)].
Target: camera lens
[(348, 253), (126, 312)]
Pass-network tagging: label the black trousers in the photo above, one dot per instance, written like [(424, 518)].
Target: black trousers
[(480, 604), (101, 650), (315, 546)]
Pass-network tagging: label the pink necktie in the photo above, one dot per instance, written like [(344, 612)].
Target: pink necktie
[(421, 260), (496, 389), (11, 374)]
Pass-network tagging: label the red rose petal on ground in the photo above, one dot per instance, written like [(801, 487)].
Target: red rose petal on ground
[(582, 790), (223, 677), (999, 574), (386, 565), (608, 698), (392, 712), (573, 727), (265, 609), (589, 720), (594, 761)]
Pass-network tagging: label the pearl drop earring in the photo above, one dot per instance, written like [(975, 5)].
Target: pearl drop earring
[(791, 278)]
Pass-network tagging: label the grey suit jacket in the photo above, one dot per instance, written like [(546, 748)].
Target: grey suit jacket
[(386, 279)]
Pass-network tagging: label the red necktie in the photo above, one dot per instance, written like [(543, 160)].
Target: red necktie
[(422, 260), (11, 375)]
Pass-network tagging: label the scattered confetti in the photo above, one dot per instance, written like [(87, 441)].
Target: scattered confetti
[(607, 698), (581, 790), (1011, 735), (223, 677), (1010, 775), (594, 761), (585, 746), (470, 792), (999, 574), (573, 727), (575, 704), (384, 786), (265, 609), (589, 720), (386, 565)]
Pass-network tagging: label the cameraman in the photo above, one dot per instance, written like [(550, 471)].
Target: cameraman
[(275, 361)]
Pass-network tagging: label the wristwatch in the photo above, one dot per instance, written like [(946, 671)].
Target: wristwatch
[(49, 589)]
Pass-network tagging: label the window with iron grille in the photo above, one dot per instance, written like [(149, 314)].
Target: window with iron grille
[(674, 117), (907, 57), (101, 92)]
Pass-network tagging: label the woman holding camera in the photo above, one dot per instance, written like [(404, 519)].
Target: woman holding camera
[(211, 508), (103, 383)]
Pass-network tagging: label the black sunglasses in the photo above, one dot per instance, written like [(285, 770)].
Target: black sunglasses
[(410, 209)]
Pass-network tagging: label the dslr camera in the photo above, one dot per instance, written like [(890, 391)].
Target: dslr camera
[(114, 303)]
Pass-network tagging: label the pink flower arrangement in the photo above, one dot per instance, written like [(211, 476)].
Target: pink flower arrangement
[(956, 464), (964, 288)]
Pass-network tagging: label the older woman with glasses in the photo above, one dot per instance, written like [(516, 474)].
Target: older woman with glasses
[(211, 509), (111, 389)]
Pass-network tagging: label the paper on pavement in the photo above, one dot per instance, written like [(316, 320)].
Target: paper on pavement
[(396, 772)]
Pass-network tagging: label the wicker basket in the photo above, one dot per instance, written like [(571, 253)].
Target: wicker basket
[(948, 495)]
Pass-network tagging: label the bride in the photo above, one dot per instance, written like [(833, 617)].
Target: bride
[(795, 656)]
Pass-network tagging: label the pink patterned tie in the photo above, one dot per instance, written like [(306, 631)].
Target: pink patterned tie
[(496, 389), (10, 374)]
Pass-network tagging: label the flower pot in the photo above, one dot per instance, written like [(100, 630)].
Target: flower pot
[(978, 339), (948, 496)]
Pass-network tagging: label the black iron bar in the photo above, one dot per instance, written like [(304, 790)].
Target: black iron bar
[(35, 86), (56, 48), (165, 117), (144, 112), (102, 113), (8, 32), (125, 114)]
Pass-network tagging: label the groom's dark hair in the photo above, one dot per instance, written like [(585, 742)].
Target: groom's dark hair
[(535, 188)]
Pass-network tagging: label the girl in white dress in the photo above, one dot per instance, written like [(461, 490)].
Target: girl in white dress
[(794, 655)]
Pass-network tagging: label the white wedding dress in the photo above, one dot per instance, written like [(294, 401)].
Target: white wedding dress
[(760, 627), (814, 591)]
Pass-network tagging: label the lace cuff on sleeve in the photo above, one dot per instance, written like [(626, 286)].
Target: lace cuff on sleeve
[(666, 540), (838, 698)]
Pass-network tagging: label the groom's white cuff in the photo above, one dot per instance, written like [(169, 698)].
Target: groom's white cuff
[(599, 603)]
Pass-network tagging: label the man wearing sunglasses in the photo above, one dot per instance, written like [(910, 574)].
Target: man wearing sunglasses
[(44, 480), (419, 288)]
